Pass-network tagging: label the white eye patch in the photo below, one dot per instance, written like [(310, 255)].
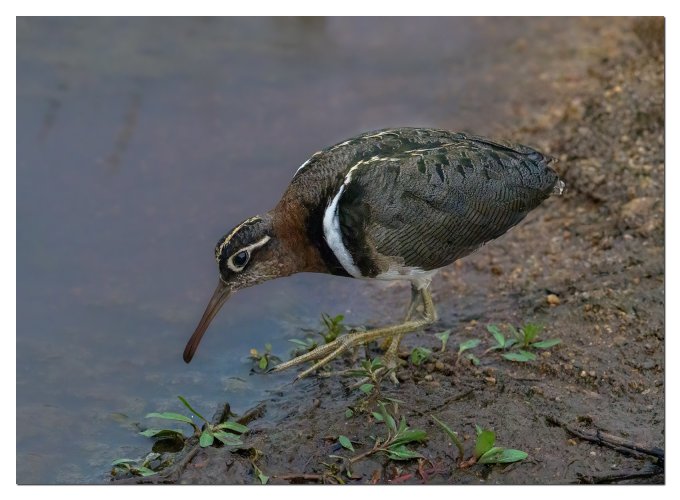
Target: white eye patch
[(231, 263)]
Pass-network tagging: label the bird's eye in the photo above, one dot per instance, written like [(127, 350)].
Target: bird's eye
[(240, 259)]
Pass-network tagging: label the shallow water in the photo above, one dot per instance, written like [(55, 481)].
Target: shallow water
[(139, 143)]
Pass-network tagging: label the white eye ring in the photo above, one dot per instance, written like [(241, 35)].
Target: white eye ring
[(248, 250), (233, 265)]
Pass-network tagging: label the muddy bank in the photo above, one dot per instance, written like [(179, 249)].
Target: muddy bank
[(589, 266)]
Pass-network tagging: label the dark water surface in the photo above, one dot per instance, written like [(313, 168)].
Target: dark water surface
[(139, 143)]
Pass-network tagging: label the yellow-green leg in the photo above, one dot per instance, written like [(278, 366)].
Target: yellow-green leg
[(330, 351)]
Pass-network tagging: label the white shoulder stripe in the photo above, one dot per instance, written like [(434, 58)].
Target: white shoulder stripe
[(331, 230), (307, 162)]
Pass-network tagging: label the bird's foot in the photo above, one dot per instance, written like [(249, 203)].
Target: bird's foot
[(324, 354)]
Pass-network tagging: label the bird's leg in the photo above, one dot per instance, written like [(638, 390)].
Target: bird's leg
[(333, 349), (391, 357)]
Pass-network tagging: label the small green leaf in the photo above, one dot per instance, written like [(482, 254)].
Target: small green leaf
[(545, 344), (474, 359), (478, 430), (520, 356), (299, 342), (207, 438), (143, 471), (349, 413), (402, 425), (227, 438), (262, 363), (123, 461), (530, 331), (510, 342), (485, 441), (468, 344), (505, 456), (262, 478), (453, 435), (168, 415), (186, 403), (497, 335), (162, 433), (345, 442), (376, 363), (232, 426), (444, 337), (490, 456), (377, 416), (402, 453), (419, 354), (366, 388), (387, 418), (410, 436)]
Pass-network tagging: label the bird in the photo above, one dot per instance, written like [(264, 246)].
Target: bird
[(391, 204)]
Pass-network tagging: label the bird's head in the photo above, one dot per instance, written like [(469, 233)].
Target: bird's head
[(249, 254)]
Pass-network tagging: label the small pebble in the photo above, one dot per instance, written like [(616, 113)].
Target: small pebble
[(429, 377), (571, 442), (490, 380), (553, 299)]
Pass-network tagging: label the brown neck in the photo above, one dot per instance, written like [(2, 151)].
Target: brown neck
[(289, 223)]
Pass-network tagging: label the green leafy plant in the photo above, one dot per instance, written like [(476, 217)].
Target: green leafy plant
[(334, 327), (467, 345), (225, 432), (133, 467), (444, 337), (371, 373), (264, 360), (394, 444), (454, 437), (485, 451), (305, 345), (501, 341), (419, 355), (522, 340)]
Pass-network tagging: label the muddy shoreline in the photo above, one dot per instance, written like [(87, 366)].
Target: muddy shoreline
[(589, 266)]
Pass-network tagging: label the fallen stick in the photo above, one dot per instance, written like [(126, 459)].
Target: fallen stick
[(649, 470), (605, 439)]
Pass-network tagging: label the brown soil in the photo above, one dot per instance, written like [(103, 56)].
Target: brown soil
[(588, 265)]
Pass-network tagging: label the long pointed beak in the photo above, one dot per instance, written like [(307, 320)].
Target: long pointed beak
[(220, 296)]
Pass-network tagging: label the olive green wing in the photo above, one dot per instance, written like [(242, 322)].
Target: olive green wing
[(426, 208)]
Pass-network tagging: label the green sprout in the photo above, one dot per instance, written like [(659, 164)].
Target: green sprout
[(394, 444), (225, 432), (485, 452), (444, 337), (133, 467), (522, 340), (419, 355), (263, 360), (334, 327), (467, 345)]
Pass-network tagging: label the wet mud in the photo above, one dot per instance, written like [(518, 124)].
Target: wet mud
[(588, 265)]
